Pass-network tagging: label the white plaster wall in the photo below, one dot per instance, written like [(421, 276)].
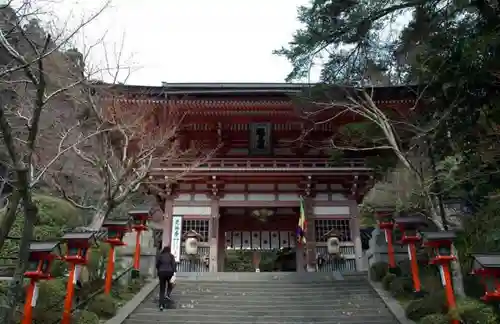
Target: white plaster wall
[(338, 196), (288, 197), (262, 186), (191, 210), (322, 197), (183, 197), (201, 197), (331, 210), (233, 197), (261, 197)]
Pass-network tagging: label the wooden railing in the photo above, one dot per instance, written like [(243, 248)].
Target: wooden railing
[(253, 162)]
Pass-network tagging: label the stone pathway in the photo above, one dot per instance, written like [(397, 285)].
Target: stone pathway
[(268, 299)]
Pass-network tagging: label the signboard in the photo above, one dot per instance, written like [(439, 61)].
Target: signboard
[(176, 238)]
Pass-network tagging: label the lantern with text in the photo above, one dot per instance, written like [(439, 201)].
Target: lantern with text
[(384, 216), (116, 231), (77, 245), (140, 219), (487, 267), (409, 227), (41, 256), (440, 243)]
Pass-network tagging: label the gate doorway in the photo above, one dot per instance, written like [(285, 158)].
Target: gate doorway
[(254, 244)]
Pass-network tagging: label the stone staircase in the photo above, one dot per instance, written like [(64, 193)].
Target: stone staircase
[(267, 298)]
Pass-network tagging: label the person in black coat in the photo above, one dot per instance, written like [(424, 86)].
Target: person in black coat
[(165, 267)]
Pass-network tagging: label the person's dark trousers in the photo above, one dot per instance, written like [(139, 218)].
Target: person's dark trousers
[(164, 282)]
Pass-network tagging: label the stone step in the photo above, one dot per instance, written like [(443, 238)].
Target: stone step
[(352, 320), (164, 317), (269, 286), (255, 298), (241, 283), (305, 305), (257, 301), (296, 311), (265, 291), (269, 276), (278, 299)]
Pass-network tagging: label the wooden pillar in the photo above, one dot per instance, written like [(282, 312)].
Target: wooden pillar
[(221, 247), (167, 222), (300, 258), (213, 227), (310, 248), (356, 234)]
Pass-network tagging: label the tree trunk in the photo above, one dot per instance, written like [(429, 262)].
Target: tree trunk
[(99, 217), (9, 217), (14, 291), (456, 274)]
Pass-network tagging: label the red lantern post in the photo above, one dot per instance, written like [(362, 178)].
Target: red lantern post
[(116, 231), (441, 242), (41, 256), (77, 245), (139, 221), (384, 216), (487, 267), (409, 228)]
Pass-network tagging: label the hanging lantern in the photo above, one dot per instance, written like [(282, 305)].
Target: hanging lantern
[(192, 241), (333, 245)]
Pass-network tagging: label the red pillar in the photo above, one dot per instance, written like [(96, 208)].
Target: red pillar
[(448, 288), (28, 309), (390, 248), (137, 254), (68, 302), (109, 270), (414, 267)]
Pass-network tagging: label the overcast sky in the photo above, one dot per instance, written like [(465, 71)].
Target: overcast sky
[(194, 40)]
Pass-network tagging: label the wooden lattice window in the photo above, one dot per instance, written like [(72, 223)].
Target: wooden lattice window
[(323, 226), (198, 225)]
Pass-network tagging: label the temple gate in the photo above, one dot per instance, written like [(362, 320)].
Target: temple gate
[(266, 158)]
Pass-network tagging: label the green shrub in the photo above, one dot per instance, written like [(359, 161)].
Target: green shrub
[(431, 282), (86, 317), (239, 261), (404, 267), (378, 270), (103, 305), (473, 286), (135, 285), (51, 293), (434, 303), (472, 311), (386, 282), (401, 286), (435, 319)]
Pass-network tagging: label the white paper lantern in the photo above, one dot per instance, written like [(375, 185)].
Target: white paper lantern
[(333, 245), (191, 245)]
